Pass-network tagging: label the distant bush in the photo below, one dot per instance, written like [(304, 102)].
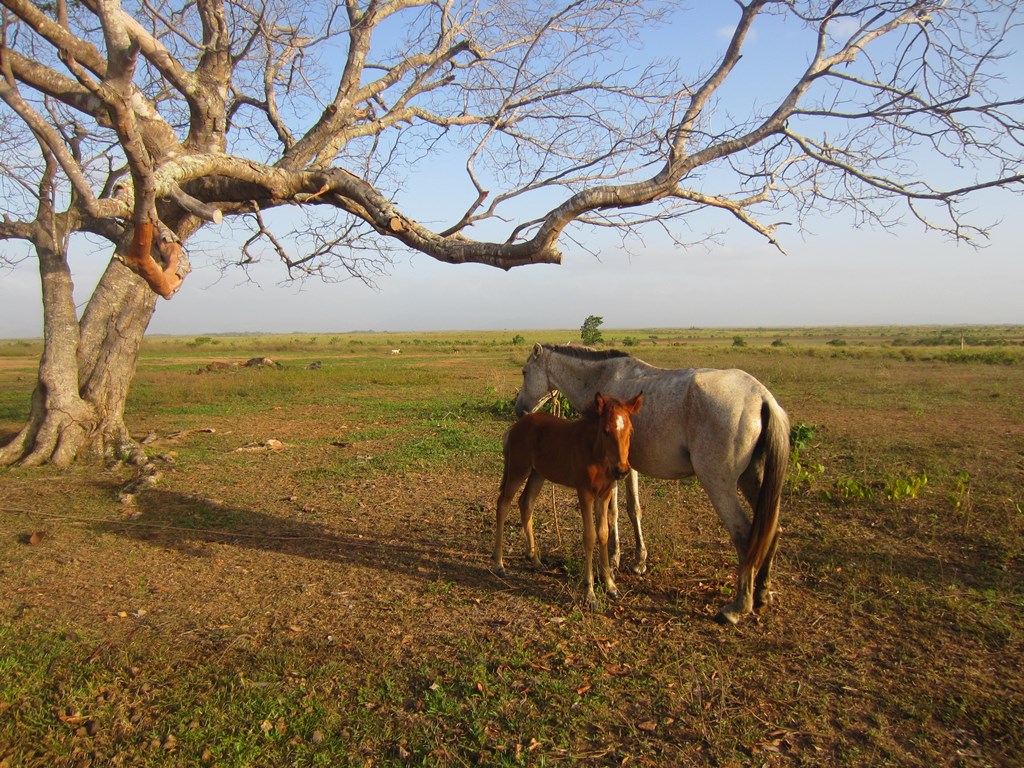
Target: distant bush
[(738, 341), (631, 341)]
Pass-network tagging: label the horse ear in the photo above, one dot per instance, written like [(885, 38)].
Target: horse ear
[(634, 405), (599, 402), (538, 350)]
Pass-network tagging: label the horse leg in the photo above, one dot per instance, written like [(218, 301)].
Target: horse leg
[(635, 515), (589, 536), (762, 583), (750, 485), (602, 547), (526, 501), (614, 544), (730, 512), (511, 479)]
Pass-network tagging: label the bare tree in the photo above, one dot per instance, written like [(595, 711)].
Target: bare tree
[(154, 119)]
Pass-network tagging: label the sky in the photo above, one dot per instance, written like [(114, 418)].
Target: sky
[(834, 274)]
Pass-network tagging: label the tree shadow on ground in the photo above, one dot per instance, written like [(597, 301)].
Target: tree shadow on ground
[(186, 523)]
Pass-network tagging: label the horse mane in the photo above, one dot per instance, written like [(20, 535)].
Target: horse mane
[(584, 353)]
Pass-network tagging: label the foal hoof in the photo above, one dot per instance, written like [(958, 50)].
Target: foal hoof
[(498, 570)]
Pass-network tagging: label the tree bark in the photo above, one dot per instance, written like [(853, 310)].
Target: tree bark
[(112, 330), (86, 369)]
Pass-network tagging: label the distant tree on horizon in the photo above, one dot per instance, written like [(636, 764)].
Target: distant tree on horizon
[(590, 331)]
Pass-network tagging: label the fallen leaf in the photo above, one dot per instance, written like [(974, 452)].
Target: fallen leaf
[(648, 725), (34, 538)]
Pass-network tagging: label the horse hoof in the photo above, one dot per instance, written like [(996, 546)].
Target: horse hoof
[(498, 570), (727, 615), (640, 569)]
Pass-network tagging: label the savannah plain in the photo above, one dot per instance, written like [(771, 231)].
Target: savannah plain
[(300, 576)]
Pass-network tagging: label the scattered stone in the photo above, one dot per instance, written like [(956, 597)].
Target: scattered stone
[(261, 362)]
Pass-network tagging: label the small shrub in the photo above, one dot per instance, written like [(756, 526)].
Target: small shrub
[(905, 487), (738, 341), (800, 435), (847, 489), (960, 496)]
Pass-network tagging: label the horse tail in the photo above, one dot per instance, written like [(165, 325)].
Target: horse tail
[(773, 444)]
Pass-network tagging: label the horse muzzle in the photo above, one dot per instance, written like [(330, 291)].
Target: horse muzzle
[(523, 406), (620, 472)]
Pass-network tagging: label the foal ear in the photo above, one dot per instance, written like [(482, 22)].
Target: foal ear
[(634, 405), (599, 402)]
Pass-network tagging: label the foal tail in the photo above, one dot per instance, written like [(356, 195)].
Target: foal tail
[(773, 444)]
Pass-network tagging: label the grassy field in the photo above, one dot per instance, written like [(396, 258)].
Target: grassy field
[(306, 582)]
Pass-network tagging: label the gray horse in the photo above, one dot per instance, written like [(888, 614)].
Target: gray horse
[(723, 426)]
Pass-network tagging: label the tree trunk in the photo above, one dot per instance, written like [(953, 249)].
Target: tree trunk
[(86, 369), (112, 329)]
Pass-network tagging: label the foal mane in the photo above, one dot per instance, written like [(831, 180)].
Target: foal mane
[(585, 353)]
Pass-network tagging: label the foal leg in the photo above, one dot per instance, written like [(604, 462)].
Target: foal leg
[(635, 515), (589, 535), (526, 501), (602, 547), (614, 544), (511, 479)]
